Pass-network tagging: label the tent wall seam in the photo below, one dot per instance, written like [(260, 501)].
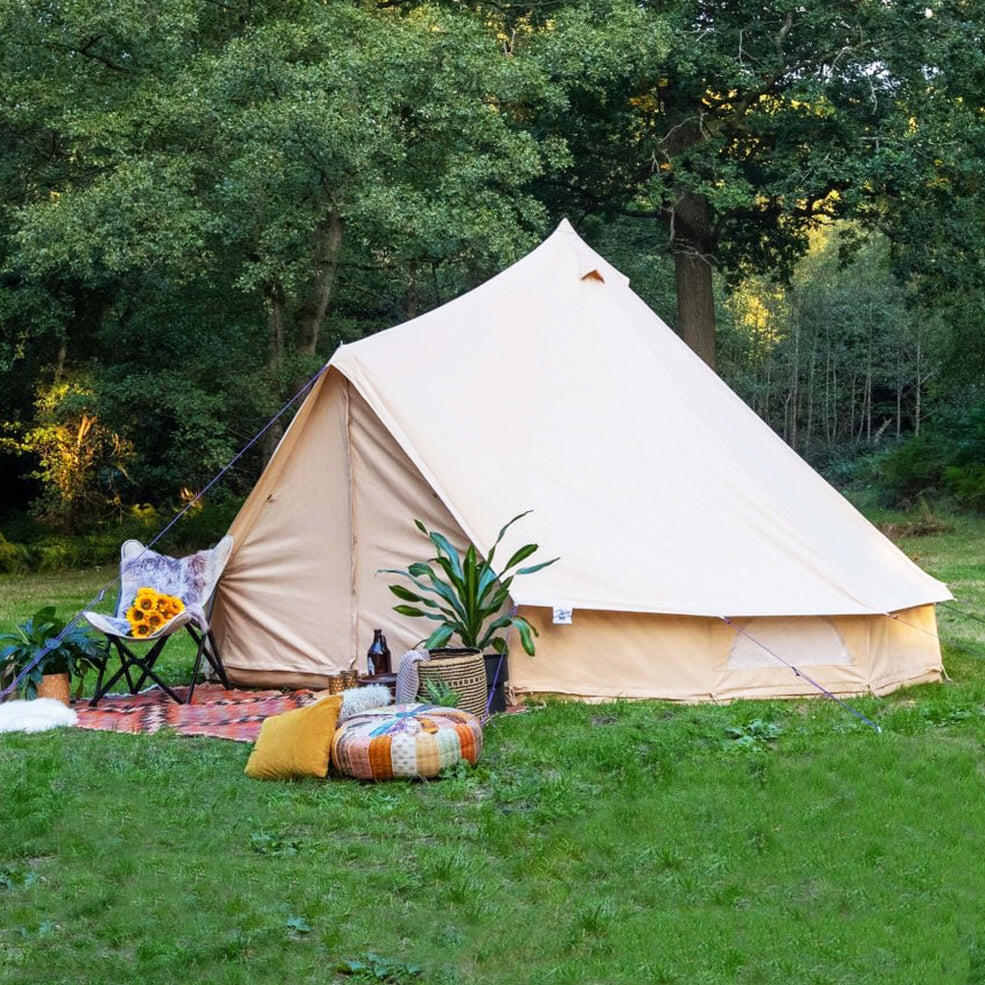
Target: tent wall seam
[(353, 562)]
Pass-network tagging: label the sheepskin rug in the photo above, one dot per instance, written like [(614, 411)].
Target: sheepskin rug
[(356, 700), (39, 715)]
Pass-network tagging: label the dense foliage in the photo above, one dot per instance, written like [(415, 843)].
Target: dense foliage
[(948, 457), (199, 201)]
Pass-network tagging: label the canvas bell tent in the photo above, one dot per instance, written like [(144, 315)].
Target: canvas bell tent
[(672, 506)]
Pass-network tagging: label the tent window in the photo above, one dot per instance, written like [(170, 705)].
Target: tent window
[(805, 641)]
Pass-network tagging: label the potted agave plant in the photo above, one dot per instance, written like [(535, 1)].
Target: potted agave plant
[(72, 656), (468, 599)]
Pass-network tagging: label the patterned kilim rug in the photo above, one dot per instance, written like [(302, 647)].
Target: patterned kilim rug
[(214, 711)]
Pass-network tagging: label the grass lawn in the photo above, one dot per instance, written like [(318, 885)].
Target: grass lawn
[(593, 844)]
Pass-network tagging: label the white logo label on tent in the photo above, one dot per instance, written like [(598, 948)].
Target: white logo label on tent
[(562, 615)]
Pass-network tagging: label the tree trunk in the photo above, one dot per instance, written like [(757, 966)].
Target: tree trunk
[(899, 391), (808, 443), (275, 327), (696, 304), (916, 407), (851, 415), (868, 405), (827, 391), (61, 358), (868, 392), (312, 315), (691, 240), (793, 407), (411, 303), (276, 309)]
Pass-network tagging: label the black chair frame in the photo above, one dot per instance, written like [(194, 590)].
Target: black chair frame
[(208, 651)]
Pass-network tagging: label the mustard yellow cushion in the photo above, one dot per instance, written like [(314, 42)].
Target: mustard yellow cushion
[(296, 743)]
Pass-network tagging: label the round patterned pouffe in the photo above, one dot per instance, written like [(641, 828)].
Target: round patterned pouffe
[(405, 741)]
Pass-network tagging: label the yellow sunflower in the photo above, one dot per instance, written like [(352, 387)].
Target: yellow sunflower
[(145, 602), (141, 629), (135, 615), (172, 605), (155, 620)]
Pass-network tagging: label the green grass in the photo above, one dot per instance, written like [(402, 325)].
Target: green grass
[(593, 844)]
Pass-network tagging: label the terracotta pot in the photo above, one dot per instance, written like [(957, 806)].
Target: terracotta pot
[(54, 686)]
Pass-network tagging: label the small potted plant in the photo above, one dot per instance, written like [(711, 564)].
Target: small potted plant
[(468, 599), (72, 656)]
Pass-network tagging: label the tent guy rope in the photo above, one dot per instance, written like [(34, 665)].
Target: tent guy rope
[(889, 615), (937, 636), (799, 673), (101, 594)]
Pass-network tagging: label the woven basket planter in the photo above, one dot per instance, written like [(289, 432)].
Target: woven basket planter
[(462, 670)]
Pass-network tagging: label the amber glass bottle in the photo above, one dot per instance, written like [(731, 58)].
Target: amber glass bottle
[(378, 655)]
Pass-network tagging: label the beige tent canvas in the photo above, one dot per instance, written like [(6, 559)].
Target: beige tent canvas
[(672, 506)]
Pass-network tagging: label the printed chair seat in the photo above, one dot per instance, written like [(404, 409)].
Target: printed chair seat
[(192, 579)]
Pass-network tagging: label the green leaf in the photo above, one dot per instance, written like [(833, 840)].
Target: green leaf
[(446, 592), (445, 549), (527, 633), (498, 600), (521, 555), (469, 596), (486, 580), (451, 614), (407, 595), (439, 637), (423, 571), (408, 610), (492, 550), (491, 631), (507, 526), (298, 924), (536, 567), (449, 570)]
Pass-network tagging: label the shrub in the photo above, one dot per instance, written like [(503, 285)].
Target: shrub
[(912, 469), (80, 463), (947, 458), (14, 558), (967, 484), (99, 544)]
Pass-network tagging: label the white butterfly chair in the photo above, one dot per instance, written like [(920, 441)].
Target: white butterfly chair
[(193, 579)]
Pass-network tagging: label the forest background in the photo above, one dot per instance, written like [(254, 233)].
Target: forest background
[(200, 200)]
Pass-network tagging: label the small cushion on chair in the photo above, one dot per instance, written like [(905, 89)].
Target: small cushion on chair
[(296, 743)]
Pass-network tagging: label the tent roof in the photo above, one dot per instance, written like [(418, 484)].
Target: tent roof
[(553, 387)]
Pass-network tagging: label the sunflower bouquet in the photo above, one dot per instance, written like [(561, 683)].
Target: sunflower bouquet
[(151, 610)]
